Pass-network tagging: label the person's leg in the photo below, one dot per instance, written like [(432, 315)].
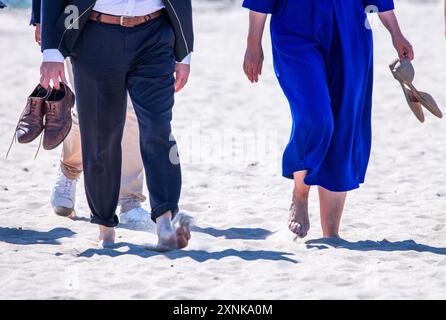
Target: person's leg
[(299, 221), (100, 78), (151, 87), (71, 158), (132, 176), (63, 196), (132, 215), (303, 80), (332, 207)]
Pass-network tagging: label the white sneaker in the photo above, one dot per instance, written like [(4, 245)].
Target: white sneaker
[(137, 219), (63, 196)]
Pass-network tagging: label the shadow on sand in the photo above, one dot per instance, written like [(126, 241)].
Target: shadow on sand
[(369, 245), (27, 237), (230, 234), (197, 255), (81, 219), (236, 233)]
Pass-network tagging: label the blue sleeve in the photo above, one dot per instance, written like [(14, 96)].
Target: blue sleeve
[(381, 5), (51, 11), (264, 6), (35, 12)]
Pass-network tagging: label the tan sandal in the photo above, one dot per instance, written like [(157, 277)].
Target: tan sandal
[(404, 73)]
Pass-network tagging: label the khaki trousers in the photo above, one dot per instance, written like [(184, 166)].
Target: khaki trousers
[(132, 176)]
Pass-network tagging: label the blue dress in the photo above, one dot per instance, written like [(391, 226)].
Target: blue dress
[(323, 59)]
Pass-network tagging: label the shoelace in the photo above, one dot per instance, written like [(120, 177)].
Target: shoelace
[(51, 122), (43, 94), (32, 109), (14, 137), (51, 111), (65, 187)]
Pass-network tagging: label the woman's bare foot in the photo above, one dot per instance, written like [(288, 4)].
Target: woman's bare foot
[(173, 236), (299, 221), (106, 237)]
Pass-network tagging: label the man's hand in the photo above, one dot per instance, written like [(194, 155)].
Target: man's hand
[(182, 72), (253, 62), (403, 47), (52, 72), (37, 34)]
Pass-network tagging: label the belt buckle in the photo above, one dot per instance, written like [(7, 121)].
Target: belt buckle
[(122, 21)]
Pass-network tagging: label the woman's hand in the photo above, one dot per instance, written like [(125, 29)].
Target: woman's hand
[(403, 47), (253, 62)]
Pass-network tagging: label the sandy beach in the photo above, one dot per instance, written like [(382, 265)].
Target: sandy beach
[(231, 135)]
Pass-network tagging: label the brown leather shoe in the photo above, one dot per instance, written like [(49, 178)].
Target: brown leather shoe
[(31, 121), (57, 116)]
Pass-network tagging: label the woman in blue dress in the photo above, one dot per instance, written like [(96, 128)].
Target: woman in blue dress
[(323, 59)]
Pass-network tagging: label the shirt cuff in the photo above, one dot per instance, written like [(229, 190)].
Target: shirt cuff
[(53, 55), (187, 60)]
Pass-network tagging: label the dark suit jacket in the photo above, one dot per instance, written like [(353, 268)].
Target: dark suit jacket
[(57, 34), (2, 5), (35, 12)]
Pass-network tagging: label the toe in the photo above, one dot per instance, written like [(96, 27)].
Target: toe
[(304, 231), (295, 228), (187, 233), (182, 240)]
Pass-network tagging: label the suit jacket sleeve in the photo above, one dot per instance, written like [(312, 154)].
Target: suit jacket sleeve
[(381, 5), (35, 12), (51, 11)]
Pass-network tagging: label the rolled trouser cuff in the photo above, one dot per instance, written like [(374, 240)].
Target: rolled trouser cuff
[(106, 223), (70, 172), (163, 208)]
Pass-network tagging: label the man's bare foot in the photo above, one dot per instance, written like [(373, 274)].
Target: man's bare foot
[(299, 221), (106, 237), (173, 236)]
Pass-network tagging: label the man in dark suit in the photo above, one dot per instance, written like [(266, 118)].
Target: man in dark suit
[(119, 47)]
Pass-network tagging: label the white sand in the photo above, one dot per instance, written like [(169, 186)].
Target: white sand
[(395, 224)]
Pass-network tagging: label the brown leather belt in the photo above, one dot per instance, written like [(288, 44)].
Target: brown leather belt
[(124, 21)]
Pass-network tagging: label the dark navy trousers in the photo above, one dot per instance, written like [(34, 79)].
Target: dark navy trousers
[(108, 62)]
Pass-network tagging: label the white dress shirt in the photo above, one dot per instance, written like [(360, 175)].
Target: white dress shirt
[(117, 8), (128, 7)]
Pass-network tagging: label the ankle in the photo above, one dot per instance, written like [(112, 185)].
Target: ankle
[(164, 221), (165, 217), (301, 195), (106, 233), (331, 234)]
